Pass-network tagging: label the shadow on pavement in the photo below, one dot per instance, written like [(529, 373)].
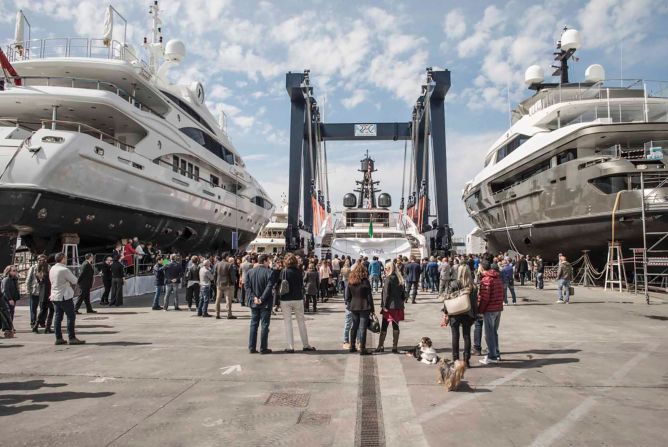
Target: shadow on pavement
[(29, 385), (537, 363), (97, 332), (464, 387), (545, 351), (95, 326), (119, 343), (120, 313), (8, 401), (11, 346)]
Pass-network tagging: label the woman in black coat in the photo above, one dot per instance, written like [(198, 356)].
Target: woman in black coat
[(360, 304), (464, 283), (392, 304), (293, 302)]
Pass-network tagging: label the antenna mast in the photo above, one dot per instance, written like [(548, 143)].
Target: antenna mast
[(154, 48)]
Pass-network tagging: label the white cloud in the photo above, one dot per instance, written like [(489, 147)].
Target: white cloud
[(454, 25), (356, 99), (492, 18)]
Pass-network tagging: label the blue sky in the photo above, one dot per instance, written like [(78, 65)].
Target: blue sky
[(368, 59)]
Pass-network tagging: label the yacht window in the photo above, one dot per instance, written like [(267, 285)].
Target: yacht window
[(566, 156), (262, 202), (611, 184), (197, 173), (195, 134), (506, 183), (509, 147), (190, 170), (215, 181), (189, 110), (175, 163), (183, 167), (206, 140)]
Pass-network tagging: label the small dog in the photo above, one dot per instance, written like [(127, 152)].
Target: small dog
[(424, 352), (451, 373)]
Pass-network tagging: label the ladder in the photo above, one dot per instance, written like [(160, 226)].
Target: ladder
[(71, 251), (615, 273)]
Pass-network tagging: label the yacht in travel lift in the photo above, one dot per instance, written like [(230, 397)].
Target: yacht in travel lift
[(97, 143), (565, 176), (367, 226)]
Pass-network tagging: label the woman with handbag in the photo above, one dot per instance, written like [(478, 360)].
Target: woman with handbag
[(392, 303), (464, 288), (292, 300), (359, 302)]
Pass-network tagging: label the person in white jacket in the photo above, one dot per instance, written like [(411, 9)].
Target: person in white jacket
[(62, 292)]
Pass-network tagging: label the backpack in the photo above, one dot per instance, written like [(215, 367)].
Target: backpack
[(284, 288)]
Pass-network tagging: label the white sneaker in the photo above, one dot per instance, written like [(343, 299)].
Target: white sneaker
[(494, 361), (560, 302), (485, 361)]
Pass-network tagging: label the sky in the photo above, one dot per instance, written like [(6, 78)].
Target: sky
[(367, 62)]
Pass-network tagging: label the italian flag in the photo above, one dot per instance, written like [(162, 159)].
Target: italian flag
[(371, 228)]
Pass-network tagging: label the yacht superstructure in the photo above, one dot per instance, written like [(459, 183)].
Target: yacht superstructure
[(565, 176), (367, 227), (271, 238), (98, 143)]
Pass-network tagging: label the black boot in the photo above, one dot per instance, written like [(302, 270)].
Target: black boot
[(395, 341), (381, 341)]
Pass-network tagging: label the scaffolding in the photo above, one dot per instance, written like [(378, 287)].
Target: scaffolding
[(650, 263)]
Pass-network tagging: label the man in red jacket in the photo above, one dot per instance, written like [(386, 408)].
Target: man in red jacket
[(490, 304)]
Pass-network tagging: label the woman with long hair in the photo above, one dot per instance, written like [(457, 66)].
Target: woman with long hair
[(311, 285), (464, 284), (325, 272), (359, 302), (392, 303)]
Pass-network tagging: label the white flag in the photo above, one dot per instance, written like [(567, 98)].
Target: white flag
[(108, 26)]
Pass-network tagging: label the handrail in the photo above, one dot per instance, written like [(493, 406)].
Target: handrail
[(117, 143), (119, 91)]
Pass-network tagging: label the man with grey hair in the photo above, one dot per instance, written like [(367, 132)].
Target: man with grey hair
[(205, 278), (62, 281), (225, 285)]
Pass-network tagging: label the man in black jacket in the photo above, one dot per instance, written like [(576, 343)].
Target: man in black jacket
[(413, 271), (173, 274), (106, 280), (85, 283), (259, 284), (117, 279)]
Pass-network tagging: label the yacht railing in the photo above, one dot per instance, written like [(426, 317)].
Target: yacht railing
[(92, 84), (603, 90), (74, 47), (88, 130)]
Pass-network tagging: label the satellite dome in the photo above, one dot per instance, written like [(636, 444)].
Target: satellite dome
[(570, 40), (595, 73), (384, 200), (349, 200), (534, 75), (175, 51)]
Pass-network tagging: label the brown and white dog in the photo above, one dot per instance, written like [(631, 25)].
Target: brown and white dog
[(424, 352), (451, 373)]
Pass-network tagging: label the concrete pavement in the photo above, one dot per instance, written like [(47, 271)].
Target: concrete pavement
[(594, 372)]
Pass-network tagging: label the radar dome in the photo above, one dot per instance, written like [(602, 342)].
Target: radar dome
[(534, 75), (175, 51), (349, 200), (570, 40), (384, 200), (595, 73)]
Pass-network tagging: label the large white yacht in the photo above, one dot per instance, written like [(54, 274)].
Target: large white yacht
[(565, 176), (271, 238), (367, 227), (96, 142)]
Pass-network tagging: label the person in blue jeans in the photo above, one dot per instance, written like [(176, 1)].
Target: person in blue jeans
[(564, 278), (173, 274), (374, 273), (205, 279), (259, 285), (508, 281), (432, 274), (159, 274), (490, 305)]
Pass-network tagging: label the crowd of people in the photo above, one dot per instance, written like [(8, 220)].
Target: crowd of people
[(292, 285)]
